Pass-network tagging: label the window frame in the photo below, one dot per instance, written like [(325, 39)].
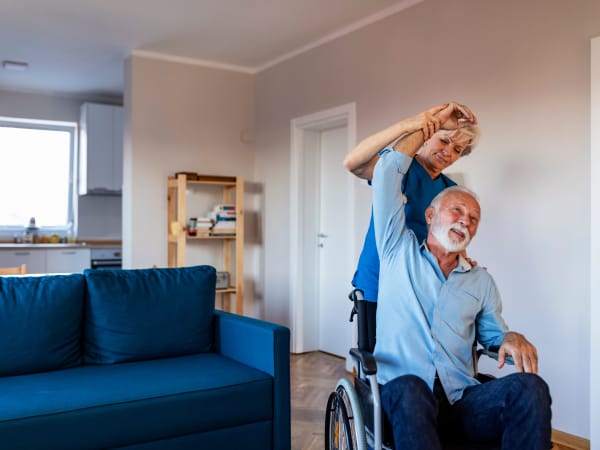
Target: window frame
[(11, 231)]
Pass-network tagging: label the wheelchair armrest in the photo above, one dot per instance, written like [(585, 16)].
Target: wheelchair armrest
[(492, 352), (365, 359)]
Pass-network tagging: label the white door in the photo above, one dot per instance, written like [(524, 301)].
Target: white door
[(321, 203), (335, 257)]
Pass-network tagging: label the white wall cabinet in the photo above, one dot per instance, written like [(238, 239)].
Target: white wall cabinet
[(55, 260), (100, 149)]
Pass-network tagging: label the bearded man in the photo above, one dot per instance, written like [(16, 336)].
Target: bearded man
[(433, 304)]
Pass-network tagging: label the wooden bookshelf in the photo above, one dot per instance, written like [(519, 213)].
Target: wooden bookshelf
[(178, 239)]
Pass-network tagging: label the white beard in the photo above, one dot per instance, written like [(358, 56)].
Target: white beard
[(451, 244)]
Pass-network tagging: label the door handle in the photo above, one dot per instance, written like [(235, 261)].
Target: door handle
[(322, 235)]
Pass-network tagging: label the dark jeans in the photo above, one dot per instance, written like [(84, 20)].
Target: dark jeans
[(514, 408)]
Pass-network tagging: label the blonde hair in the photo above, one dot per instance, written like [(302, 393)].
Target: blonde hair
[(471, 131)]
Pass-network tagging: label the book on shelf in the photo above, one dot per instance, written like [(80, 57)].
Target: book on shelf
[(224, 220), (222, 233), (199, 226), (224, 228), (224, 225), (223, 212)]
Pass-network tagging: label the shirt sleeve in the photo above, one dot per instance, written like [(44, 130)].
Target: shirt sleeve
[(388, 201), (491, 327)]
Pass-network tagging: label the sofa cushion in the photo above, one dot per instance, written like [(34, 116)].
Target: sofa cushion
[(40, 323), (138, 402), (133, 315)]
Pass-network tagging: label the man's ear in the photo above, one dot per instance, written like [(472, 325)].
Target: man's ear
[(429, 214)]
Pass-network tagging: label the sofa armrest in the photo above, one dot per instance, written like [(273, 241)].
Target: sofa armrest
[(266, 347)]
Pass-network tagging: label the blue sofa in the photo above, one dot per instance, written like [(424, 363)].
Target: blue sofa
[(137, 359)]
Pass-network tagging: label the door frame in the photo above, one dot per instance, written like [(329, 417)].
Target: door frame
[(595, 242), (344, 115)]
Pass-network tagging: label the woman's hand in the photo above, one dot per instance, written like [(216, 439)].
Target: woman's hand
[(449, 116), (428, 121), (454, 115)]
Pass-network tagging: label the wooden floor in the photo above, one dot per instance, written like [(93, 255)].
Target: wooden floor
[(313, 376)]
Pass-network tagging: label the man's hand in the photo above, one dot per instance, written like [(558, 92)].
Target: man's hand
[(448, 116), (427, 121), (523, 352), (455, 115)]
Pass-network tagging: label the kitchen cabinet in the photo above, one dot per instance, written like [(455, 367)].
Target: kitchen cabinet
[(35, 259), (68, 260), (215, 189), (100, 149), (47, 260)]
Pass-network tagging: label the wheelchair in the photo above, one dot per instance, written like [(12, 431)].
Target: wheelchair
[(354, 418)]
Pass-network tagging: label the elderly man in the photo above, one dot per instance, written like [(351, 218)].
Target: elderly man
[(433, 304)]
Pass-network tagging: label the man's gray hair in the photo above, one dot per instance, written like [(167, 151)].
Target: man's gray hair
[(449, 190)]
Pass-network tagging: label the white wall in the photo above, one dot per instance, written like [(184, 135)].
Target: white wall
[(595, 245), (524, 68), (181, 117)]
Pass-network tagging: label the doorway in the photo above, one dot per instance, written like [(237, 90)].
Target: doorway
[(322, 253)]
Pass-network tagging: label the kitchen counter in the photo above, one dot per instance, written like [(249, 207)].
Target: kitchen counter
[(13, 246), (101, 243), (81, 244)]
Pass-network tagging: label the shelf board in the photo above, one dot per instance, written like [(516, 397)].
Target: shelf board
[(229, 290), (199, 238), (205, 181), (173, 239)]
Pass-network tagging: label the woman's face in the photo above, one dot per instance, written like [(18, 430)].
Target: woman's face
[(442, 150)]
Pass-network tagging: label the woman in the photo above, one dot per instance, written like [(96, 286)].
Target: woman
[(446, 133)]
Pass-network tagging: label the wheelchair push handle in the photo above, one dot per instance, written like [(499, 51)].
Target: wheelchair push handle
[(355, 295)]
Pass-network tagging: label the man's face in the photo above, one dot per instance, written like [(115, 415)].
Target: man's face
[(456, 222), (443, 149)]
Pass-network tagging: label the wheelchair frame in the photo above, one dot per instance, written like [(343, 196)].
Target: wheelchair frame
[(347, 416)]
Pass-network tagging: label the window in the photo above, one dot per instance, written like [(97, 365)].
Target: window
[(37, 166)]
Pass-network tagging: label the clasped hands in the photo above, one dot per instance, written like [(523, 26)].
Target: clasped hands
[(449, 116)]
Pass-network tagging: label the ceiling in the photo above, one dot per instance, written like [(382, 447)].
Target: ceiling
[(79, 47)]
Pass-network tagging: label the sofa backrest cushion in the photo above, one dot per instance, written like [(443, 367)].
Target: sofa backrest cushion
[(133, 315), (40, 323)]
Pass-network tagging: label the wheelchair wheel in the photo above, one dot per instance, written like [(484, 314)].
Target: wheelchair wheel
[(344, 427)]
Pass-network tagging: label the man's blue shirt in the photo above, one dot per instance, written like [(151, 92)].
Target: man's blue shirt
[(419, 189), (425, 322)]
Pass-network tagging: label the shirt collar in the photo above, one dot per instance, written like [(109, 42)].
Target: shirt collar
[(463, 264)]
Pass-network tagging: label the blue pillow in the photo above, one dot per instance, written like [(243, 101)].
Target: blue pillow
[(134, 315), (40, 323)]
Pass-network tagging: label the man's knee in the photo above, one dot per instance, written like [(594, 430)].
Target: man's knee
[(531, 396), (533, 388), (405, 392)]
